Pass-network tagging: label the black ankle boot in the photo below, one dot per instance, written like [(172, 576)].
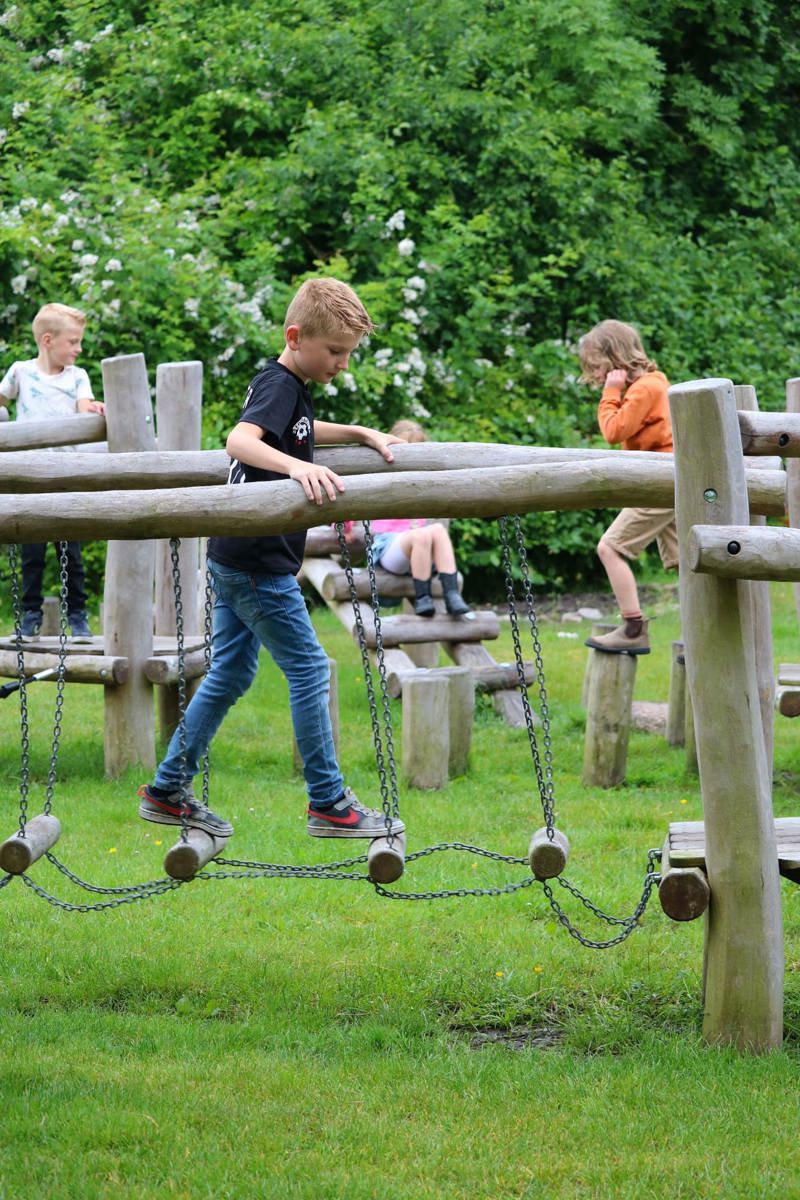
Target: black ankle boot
[(454, 602), (423, 604)]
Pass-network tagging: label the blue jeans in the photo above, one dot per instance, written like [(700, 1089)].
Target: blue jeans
[(252, 611)]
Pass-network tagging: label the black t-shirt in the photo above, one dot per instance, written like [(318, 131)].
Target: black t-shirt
[(280, 403)]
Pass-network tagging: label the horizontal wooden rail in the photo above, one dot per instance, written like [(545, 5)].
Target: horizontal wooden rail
[(109, 670), (44, 470), (406, 630), (768, 433), (55, 431), (745, 551), (281, 507)]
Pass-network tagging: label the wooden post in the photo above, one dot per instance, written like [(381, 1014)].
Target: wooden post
[(744, 951), (333, 711), (793, 476), (51, 617), (179, 400), (461, 716), (746, 401), (676, 701), (128, 596), (608, 719), (689, 736), (426, 730), (598, 629)]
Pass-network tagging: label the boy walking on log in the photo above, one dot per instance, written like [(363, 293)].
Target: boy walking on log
[(49, 387), (634, 410), (258, 601)]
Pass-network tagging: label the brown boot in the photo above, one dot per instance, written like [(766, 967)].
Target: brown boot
[(622, 640)]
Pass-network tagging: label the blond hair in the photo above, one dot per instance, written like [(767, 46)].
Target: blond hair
[(412, 431), (322, 307), (54, 318), (610, 346)]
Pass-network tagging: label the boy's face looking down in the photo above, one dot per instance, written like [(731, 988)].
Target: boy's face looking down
[(60, 350), (318, 358)]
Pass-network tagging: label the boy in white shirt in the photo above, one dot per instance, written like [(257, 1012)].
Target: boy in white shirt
[(45, 387)]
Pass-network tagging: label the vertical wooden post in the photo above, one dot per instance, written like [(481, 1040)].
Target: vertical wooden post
[(793, 476), (461, 716), (608, 718), (51, 617), (128, 597), (179, 400), (676, 701), (744, 951), (333, 711), (426, 730), (762, 611)]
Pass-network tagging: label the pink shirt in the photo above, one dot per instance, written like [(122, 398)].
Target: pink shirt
[(396, 524)]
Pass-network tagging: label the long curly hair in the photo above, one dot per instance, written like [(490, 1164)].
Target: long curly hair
[(610, 346)]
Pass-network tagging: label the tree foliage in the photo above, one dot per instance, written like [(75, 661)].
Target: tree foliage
[(493, 177)]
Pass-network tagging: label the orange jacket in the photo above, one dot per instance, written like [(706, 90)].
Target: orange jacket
[(639, 419)]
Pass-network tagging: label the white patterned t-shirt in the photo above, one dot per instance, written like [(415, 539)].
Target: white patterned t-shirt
[(39, 395)]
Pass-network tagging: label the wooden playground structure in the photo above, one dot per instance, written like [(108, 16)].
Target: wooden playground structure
[(730, 866)]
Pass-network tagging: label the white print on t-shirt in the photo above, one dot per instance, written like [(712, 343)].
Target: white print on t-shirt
[(301, 431)]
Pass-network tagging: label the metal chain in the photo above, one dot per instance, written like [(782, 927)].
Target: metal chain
[(177, 593), (25, 743), (386, 767), (544, 775), (63, 564), (544, 764), (208, 608)]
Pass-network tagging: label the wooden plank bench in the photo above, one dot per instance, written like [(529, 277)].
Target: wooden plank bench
[(687, 845), (787, 692)]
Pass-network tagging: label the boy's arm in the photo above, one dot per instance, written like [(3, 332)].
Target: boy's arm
[(619, 418), (329, 433), (87, 404), (244, 443)]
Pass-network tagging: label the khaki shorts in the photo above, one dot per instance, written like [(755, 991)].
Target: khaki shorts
[(635, 528)]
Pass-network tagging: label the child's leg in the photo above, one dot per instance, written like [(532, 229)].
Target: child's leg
[(76, 579), (417, 545), (233, 667), (32, 557), (442, 547), (277, 614), (621, 578)]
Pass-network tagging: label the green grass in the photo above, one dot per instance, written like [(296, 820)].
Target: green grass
[(300, 1038)]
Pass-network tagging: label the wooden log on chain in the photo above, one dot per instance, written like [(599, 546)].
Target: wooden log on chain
[(186, 858), (548, 855), (18, 852), (179, 402), (386, 858), (683, 891), (128, 597), (743, 1007), (676, 701), (608, 719), (78, 668)]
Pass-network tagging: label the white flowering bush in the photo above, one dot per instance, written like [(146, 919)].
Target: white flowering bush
[(486, 176)]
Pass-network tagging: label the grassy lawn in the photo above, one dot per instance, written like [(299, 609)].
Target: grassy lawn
[(290, 1038)]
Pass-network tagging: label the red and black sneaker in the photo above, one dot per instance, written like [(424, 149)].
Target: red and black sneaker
[(178, 806), (347, 818)]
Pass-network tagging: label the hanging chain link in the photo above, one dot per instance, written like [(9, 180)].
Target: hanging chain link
[(386, 767), (177, 595), (25, 742), (63, 616)]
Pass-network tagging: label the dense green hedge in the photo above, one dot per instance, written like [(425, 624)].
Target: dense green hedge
[(493, 177)]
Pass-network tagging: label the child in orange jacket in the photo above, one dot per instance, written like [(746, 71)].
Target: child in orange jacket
[(633, 411)]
